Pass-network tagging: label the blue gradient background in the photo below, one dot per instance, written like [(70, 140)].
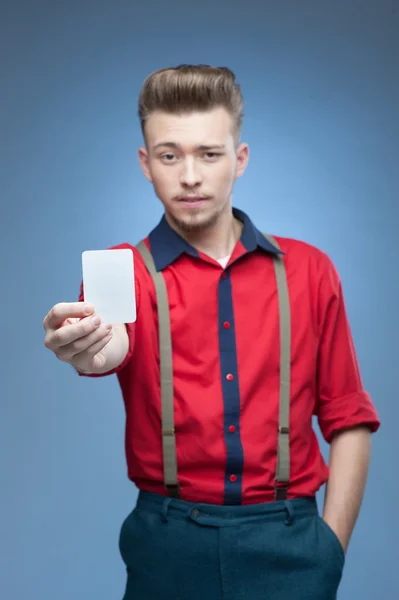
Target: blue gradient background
[(321, 83)]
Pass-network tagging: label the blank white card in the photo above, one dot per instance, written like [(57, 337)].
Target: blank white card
[(108, 283)]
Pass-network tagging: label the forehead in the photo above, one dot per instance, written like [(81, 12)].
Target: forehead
[(214, 126)]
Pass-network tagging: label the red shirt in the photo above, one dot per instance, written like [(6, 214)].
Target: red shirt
[(226, 349)]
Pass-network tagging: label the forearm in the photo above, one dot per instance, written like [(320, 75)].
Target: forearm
[(349, 463)]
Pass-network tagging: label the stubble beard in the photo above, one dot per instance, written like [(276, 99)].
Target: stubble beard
[(196, 223)]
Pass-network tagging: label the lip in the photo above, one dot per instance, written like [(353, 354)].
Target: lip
[(193, 198), (192, 202)]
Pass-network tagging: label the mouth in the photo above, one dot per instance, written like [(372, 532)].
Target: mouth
[(193, 200)]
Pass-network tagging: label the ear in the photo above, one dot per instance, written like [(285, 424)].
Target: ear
[(144, 163), (242, 154)]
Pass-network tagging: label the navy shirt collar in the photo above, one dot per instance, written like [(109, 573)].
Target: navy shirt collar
[(167, 245)]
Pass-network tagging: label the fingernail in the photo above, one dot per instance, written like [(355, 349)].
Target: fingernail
[(108, 327), (96, 320)]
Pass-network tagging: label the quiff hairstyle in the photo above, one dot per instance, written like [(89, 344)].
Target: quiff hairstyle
[(189, 88)]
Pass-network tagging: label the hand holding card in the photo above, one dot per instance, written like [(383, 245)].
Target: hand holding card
[(108, 283)]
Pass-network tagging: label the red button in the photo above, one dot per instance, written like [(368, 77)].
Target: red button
[(229, 377), (233, 478), (232, 428), (226, 325)]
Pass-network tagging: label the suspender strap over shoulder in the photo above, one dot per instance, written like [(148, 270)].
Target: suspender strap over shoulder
[(166, 376), (283, 447), (165, 354)]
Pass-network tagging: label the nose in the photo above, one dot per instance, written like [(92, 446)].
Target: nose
[(190, 175)]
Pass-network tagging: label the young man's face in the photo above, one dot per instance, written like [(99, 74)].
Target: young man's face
[(192, 161)]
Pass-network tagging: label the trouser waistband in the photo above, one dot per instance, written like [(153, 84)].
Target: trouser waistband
[(214, 515)]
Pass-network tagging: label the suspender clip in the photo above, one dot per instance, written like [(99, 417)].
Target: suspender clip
[(173, 490), (170, 432), (280, 492)]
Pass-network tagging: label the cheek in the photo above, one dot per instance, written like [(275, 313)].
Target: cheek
[(158, 175), (226, 177), (164, 182)]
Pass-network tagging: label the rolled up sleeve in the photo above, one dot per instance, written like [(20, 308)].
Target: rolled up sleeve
[(342, 401)]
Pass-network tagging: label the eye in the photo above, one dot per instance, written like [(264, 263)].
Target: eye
[(212, 155), (168, 157)]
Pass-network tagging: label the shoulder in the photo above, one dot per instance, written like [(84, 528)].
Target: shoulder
[(310, 261), (296, 248), (298, 251)]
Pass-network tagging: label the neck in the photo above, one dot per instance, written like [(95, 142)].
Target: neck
[(219, 239)]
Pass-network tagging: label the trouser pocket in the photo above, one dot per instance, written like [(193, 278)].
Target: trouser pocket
[(332, 540)]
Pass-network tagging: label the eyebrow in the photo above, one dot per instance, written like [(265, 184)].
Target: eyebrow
[(202, 147)]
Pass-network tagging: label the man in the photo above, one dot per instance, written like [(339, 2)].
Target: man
[(239, 340)]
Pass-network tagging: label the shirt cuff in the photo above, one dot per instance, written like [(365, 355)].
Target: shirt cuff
[(348, 411)]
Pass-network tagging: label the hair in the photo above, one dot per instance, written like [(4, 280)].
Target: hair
[(189, 88)]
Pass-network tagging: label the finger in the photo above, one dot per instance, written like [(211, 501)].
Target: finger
[(71, 321), (63, 310), (96, 347), (69, 351), (65, 336)]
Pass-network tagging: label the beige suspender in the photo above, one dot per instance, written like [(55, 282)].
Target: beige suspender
[(165, 342), (283, 445), (165, 355)]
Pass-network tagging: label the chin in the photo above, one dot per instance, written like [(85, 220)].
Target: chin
[(192, 223)]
